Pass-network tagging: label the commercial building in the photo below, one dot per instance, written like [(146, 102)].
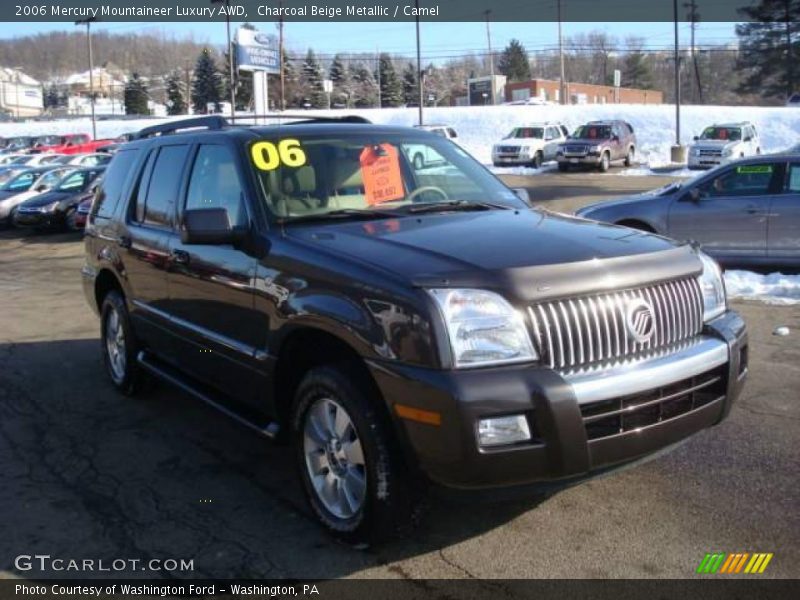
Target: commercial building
[(579, 93), (20, 94)]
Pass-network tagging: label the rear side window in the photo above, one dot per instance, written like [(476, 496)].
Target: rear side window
[(793, 183), (117, 173), (155, 201), (215, 183)]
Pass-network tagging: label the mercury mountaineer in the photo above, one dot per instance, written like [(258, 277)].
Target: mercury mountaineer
[(400, 325)]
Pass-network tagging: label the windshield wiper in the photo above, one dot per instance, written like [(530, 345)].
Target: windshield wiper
[(342, 213), (454, 205)]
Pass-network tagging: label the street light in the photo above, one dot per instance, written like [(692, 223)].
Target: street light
[(88, 22), (230, 54)]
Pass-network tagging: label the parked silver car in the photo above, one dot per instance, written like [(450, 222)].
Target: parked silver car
[(743, 213)]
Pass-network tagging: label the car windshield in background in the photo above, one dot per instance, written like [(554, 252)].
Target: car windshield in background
[(51, 179), (527, 132), (7, 175), (722, 133), (76, 182), (315, 176), (593, 132), (18, 181), (48, 140)]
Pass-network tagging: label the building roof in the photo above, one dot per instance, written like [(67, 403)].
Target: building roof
[(16, 76)]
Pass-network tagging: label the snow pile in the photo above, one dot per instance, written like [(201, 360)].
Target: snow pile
[(775, 288), (480, 127)]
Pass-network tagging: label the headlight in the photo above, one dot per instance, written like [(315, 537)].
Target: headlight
[(695, 151), (50, 207), (594, 148), (713, 288), (727, 152), (524, 151), (483, 328)]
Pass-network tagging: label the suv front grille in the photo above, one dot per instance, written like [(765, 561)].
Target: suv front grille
[(508, 150), (618, 415), (571, 149), (582, 331), (710, 152)]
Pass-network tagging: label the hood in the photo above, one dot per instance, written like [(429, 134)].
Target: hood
[(531, 252), (7, 194), (588, 141), (46, 198), (656, 195), (714, 143)]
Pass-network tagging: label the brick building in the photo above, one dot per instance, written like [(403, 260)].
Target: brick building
[(580, 93)]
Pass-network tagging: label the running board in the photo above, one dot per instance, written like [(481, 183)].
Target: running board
[(174, 377)]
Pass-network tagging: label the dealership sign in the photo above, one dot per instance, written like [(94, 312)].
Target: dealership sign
[(256, 51)]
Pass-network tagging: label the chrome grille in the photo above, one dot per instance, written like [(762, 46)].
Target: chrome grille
[(590, 329), (710, 152), (571, 149)]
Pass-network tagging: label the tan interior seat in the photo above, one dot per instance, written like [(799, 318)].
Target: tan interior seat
[(299, 187)]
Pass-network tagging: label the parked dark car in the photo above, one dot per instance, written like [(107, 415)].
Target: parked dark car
[(400, 327), (78, 222), (55, 209), (743, 213), (598, 144)]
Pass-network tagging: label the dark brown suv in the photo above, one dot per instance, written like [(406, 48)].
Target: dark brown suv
[(398, 325), (598, 144)]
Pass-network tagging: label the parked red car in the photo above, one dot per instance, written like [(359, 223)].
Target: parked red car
[(71, 143)]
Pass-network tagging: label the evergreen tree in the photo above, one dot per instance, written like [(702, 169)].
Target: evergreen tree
[(136, 96), (391, 87), (365, 88), (410, 85), (769, 46), (244, 90), (312, 81), (636, 71), (51, 97), (176, 94), (342, 82), (514, 62), (207, 83)]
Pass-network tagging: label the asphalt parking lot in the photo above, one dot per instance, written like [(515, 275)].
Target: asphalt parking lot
[(87, 473)]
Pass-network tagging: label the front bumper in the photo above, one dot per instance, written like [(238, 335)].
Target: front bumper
[(37, 219), (706, 162), (588, 159), (571, 441)]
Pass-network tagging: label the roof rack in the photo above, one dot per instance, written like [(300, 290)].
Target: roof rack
[(216, 122), (207, 122), (304, 118)]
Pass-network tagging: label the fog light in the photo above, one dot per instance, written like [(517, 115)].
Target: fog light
[(503, 430)]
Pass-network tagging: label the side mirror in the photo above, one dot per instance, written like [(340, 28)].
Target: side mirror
[(694, 195), (748, 139), (208, 226), (40, 188), (695, 138), (614, 138), (523, 195)]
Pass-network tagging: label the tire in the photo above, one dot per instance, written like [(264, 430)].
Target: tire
[(11, 216), (352, 474), (121, 365), (605, 162), (563, 167), (538, 159), (419, 161), (630, 156)]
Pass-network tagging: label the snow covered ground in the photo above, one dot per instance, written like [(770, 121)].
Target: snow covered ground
[(774, 288), (479, 127)]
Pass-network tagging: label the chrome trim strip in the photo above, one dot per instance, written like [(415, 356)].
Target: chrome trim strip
[(631, 377)]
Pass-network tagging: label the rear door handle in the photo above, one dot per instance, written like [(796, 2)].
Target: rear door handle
[(180, 256)]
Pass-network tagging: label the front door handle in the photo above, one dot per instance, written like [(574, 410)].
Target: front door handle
[(124, 241), (180, 257)]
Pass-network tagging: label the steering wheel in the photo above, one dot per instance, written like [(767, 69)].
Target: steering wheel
[(427, 188)]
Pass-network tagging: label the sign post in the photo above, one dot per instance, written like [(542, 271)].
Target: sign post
[(258, 52)]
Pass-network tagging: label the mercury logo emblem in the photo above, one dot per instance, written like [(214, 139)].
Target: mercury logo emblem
[(639, 320)]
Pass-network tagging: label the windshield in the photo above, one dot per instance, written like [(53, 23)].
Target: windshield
[(593, 132), (527, 132), (318, 175), (50, 179), (16, 180), (76, 182), (48, 140), (722, 133)]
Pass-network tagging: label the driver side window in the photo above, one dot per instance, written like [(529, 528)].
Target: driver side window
[(744, 180), (215, 183)]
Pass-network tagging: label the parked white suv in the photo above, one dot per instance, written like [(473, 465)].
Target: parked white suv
[(423, 156), (529, 145), (723, 143)]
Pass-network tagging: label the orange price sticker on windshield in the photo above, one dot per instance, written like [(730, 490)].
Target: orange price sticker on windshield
[(380, 171)]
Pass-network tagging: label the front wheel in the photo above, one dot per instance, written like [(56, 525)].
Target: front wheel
[(69, 220), (605, 162), (352, 474), (629, 157), (119, 345), (538, 159)]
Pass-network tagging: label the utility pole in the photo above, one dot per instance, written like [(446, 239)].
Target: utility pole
[(378, 73), (678, 151), (230, 54), (694, 17), (88, 22), (280, 57), (419, 64), (562, 93), (491, 54)]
